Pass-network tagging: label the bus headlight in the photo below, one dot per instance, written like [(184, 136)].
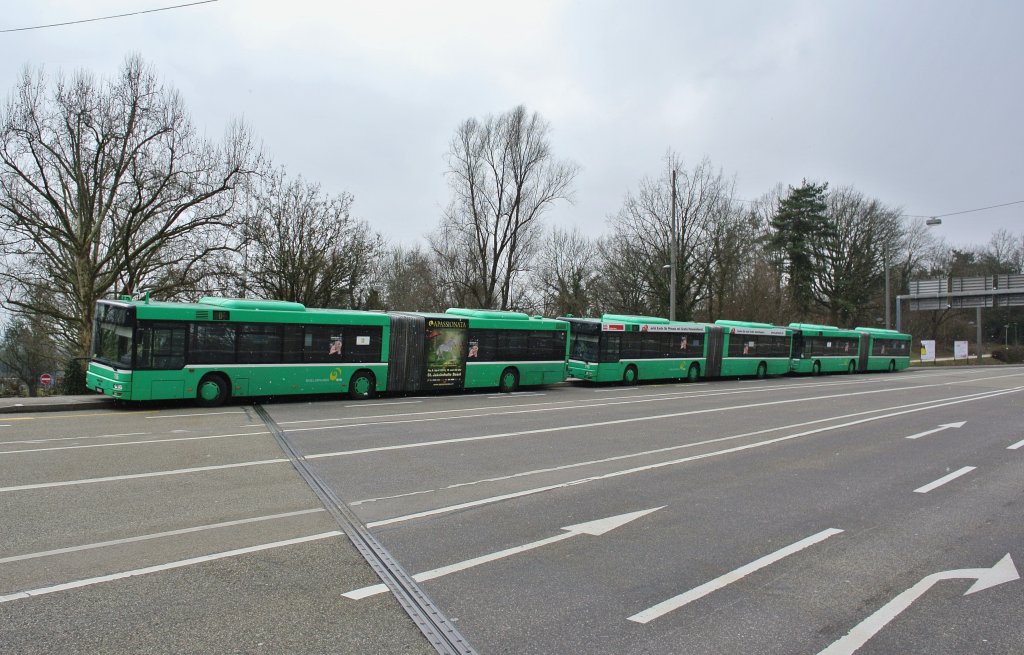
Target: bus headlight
[(118, 387)]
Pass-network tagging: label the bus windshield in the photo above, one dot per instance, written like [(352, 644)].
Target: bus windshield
[(584, 347), (112, 337)]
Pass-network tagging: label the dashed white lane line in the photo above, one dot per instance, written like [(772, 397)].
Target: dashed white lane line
[(1019, 444), (696, 593), (42, 591), (944, 479)]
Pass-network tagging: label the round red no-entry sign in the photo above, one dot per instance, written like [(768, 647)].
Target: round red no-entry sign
[(45, 379)]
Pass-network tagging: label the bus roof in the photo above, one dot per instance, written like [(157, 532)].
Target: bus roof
[(879, 332), (823, 330), (489, 313), (253, 304), (496, 318), (745, 324), (246, 309)]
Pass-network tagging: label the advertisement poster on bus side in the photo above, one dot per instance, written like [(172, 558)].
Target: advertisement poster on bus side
[(445, 355)]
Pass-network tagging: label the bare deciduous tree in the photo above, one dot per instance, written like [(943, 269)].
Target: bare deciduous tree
[(643, 226), (304, 246), (105, 186), (851, 276), (504, 178), (409, 282), (565, 273), (27, 350)]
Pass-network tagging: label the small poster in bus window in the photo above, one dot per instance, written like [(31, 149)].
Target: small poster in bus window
[(445, 355)]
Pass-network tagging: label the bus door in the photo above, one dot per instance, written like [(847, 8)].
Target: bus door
[(716, 343), (865, 352), (798, 344)]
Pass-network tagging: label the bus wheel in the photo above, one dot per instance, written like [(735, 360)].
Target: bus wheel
[(816, 369), (762, 370), (892, 365), (213, 391), (509, 380), (851, 368), (629, 376), (694, 373), (362, 386)]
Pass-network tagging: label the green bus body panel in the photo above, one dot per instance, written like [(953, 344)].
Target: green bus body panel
[(827, 363), (662, 368), (304, 378), (882, 362), (647, 369), (484, 375), (243, 379)]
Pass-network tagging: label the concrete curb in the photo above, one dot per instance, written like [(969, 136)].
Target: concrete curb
[(53, 404)]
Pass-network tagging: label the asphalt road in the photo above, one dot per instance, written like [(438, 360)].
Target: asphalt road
[(793, 515)]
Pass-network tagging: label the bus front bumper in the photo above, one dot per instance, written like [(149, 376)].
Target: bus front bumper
[(109, 382)]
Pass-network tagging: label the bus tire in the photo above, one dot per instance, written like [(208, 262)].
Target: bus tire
[(362, 385), (892, 365), (816, 368), (694, 373), (851, 368), (509, 380), (762, 371), (629, 376), (212, 391)]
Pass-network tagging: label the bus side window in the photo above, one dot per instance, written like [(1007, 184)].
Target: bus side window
[(610, 347), (168, 347)]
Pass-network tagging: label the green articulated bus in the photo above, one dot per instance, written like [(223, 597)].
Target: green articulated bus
[(883, 350), (619, 348), (229, 347), (824, 349), (754, 349)]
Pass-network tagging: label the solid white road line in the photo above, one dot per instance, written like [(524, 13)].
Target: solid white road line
[(696, 593), (136, 476), (674, 462), (944, 479), (130, 443), (157, 535), (194, 414), (583, 426), (163, 567)]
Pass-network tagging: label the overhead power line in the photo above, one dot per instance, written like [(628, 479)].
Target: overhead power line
[(966, 211), (93, 20)]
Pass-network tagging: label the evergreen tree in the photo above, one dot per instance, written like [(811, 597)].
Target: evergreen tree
[(801, 227)]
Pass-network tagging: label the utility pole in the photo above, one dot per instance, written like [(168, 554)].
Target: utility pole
[(885, 265), (672, 254)]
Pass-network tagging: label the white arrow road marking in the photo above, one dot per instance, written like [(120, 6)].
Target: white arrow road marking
[(696, 593), (944, 479), (944, 426), (1003, 571), (593, 528)]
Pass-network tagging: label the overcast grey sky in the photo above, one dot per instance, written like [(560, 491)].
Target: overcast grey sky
[(916, 103)]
